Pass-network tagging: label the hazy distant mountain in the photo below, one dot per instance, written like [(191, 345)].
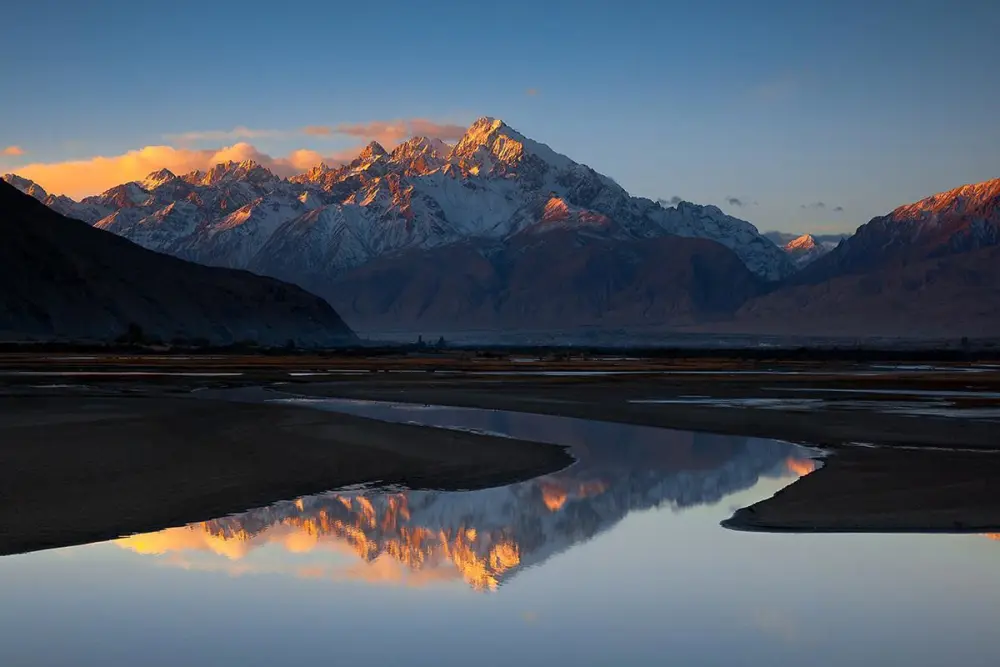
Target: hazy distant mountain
[(931, 268), (805, 249), (494, 195), (782, 239), (64, 280)]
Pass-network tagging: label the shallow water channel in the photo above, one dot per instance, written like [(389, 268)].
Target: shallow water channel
[(618, 559)]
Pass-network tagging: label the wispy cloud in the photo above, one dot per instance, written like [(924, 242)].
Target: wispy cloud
[(226, 135), (13, 151), (735, 201), (317, 130), (388, 132), (422, 127), (391, 132), (821, 206), (384, 132), (673, 201)]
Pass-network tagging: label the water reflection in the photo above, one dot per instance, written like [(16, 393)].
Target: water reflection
[(653, 586), (484, 537)]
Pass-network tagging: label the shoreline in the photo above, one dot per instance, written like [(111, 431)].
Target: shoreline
[(881, 492), (613, 400)]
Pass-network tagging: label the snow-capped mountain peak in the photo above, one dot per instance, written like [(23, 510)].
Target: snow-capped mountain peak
[(420, 155), (373, 151), (804, 249), (126, 195), (26, 186), (420, 146), (224, 172), (479, 134), (157, 178), (491, 147), (316, 175), (803, 243)]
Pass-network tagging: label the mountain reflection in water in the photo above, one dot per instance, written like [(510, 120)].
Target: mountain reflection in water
[(483, 537)]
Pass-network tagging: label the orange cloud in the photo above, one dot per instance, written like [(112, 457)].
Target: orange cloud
[(80, 178), (317, 130), (226, 135), (393, 132), (444, 131), (385, 132)]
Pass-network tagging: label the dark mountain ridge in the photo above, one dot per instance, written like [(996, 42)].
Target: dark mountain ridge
[(928, 269), (557, 280), (65, 280)]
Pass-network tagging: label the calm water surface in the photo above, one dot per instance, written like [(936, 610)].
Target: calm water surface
[(617, 560)]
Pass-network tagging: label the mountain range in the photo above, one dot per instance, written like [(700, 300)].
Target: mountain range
[(502, 232), (926, 269), (63, 279), (449, 236)]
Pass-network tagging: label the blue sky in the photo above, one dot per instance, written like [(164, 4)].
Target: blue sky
[(766, 109)]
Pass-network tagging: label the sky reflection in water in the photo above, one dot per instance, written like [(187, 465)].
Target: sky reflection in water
[(618, 559)]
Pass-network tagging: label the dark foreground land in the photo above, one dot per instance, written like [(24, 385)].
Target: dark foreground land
[(882, 490), (93, 447)]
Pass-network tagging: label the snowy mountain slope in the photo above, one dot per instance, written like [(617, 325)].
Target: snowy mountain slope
[(90, 213), (492, 184), (495, 183), (236, 239)]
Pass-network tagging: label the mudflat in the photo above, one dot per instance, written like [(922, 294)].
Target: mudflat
[(885, 490), (76, 469), (725, 404), (726, 394)]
